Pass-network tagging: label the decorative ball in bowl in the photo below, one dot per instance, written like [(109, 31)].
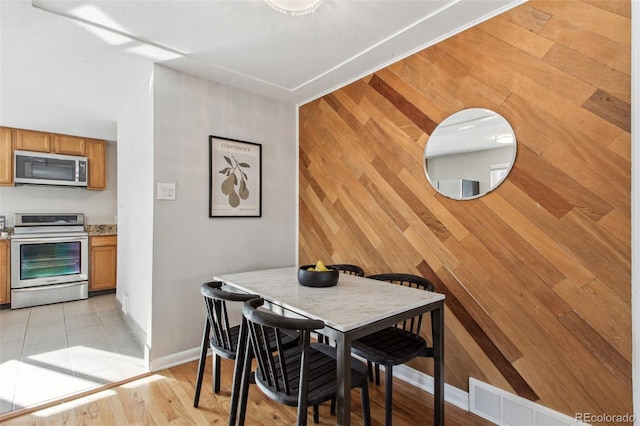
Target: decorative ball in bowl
[(308, 276)]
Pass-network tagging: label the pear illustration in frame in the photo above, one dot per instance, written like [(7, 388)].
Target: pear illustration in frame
[(235, 178)]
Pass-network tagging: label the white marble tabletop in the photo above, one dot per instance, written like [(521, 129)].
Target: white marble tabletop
[(352, 303)]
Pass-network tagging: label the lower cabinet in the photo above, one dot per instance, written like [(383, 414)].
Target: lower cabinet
[(5, 293), (103, 256)]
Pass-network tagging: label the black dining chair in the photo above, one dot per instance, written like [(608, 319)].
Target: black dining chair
[(347, 268), (219, 335), (302, 376), (397, 344)]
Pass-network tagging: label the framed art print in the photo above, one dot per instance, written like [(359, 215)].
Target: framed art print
[(235, 178)]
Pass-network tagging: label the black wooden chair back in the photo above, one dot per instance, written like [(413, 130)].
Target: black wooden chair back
[(347, 268), (302, 376), (224, 336), (218, 335), (413, 325)]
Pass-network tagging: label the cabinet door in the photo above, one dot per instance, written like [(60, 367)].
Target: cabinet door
[(30, 140), (96, 154), (4, 272), (104, 258), (68, 145), (6, 157)]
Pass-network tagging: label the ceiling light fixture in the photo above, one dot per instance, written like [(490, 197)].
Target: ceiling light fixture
[(294, 7)]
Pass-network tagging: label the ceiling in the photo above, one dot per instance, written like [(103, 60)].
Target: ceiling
[(80, 62)]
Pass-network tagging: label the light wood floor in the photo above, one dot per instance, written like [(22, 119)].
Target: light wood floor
[(166, 397)]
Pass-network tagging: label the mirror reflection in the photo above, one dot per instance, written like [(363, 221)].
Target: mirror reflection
[(470, 153)]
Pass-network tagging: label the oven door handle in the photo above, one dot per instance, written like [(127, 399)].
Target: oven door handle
[(50, 240), (48, 287)]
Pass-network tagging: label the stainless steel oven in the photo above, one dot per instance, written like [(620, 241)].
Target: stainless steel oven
[(49, 259)]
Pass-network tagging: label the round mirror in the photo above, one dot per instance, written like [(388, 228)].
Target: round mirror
[(470, 153)]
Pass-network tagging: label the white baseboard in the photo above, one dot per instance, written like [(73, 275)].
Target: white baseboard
[(174, 359), (423, 381)]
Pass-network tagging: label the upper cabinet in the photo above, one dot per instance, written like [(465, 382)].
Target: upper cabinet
[(4, 272), (31, 140), (68, 145), (6, 157), (96, 155)]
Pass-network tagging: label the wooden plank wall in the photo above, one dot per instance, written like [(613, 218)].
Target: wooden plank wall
[(537, 273)]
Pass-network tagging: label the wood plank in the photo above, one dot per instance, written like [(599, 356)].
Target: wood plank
[(543, 194), (589, 44), (589, 70), (517, 382), (430, 76), (519, 37), (572, 191), (542, 334), (622, 146), (598, 20), (408, 196), (463, 288), (407, 108), (617, 224), (528, 18), (542, 242), (603, 310), (612, 109), (622, 8), (599, 347), (607, 259), (605, 176), (502, 242), (516, 64)]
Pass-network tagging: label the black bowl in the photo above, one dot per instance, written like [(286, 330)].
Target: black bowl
[(317, 278)]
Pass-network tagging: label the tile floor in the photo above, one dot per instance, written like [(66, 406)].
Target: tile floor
[(51, 351)]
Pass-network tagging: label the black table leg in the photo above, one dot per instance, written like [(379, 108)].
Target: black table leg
[(438, 359), (344, 380)]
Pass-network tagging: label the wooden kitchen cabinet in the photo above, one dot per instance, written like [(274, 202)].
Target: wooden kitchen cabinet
[(6, 157), (97, 157), (103, 260), (30, 140), (5, 294), (68, 145)]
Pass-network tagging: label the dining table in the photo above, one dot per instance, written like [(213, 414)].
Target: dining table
[(355, 307)]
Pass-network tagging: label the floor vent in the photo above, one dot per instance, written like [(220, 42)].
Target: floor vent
[(506, 409)]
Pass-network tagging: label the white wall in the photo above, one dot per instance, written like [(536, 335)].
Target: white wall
[(135, 209), (189, 248), (99, 207)]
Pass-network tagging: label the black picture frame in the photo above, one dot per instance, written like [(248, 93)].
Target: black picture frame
[(235, 178)]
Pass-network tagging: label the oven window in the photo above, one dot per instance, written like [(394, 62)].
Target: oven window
[(49, 259)]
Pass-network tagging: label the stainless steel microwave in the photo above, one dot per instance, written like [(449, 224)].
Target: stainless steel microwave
[(42, 168)]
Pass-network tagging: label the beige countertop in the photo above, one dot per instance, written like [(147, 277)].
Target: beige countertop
[(101, 229)]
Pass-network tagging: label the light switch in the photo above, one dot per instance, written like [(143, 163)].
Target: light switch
[(166, 191)]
